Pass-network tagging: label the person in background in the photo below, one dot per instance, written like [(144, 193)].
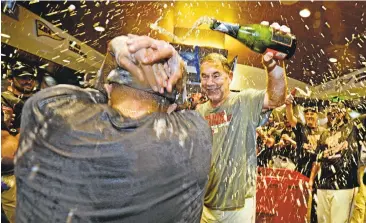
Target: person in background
[(359, 211), (24, 82), (307, 136), (233, 118), (307, 139), (336, 167), (119, 153), (284, 152), (265, 142)]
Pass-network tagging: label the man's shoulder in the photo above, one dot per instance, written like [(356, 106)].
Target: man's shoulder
[(66, 92), (62, 101), (9, 97), (202, 108), (246, 97), (249, 92), (65, 89)]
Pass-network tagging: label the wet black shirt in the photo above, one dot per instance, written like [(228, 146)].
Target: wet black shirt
[(305, 158), (81, 161), (338, 171)]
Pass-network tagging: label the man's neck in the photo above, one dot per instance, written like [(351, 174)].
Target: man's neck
[(135, 109), (218, 104), (135, 104)]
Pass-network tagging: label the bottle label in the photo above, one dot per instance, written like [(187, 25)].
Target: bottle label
[(285, 40), (276, 54)]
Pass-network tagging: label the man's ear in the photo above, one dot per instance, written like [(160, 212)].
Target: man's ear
[(231, 75)]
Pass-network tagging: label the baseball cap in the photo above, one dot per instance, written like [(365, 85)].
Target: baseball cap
[(23, 70), (312, 109)]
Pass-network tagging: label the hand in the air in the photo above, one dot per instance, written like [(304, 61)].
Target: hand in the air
[(127, 60), (289, 100), (269, 60), (150, 51)]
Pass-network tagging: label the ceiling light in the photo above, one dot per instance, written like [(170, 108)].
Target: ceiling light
[(99, 28), (305, 13), (333, 60), (71, 8), (5, 35)]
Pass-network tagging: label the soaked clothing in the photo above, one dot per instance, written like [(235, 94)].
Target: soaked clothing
[(306, 158), (79, 160), (233, 171), (338, 171), (278, 156), (11, 105)]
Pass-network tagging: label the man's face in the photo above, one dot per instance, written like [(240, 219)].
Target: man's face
[(215, 82), (331, 117), (311, 118), (25, 84), (335, 115)]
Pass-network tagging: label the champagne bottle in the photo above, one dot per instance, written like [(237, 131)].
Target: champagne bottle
[(259, 38)]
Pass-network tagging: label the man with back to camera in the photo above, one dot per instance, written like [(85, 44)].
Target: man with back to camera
[(233, 118), (125, 161), (24, 81)]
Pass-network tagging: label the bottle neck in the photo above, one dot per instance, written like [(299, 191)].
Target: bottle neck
[(224, 27)]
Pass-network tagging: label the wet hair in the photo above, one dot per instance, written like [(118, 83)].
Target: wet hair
[(123, 77), (217, 58)]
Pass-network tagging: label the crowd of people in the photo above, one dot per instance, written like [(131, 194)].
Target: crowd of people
[(331, 155), (125, 150)]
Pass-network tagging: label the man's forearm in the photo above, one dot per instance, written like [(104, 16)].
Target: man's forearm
[(290, 115), (314, 171), (276, 87)]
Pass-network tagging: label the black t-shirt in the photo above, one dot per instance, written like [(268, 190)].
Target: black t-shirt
[(81, 161), (338, 171), (305, 158)]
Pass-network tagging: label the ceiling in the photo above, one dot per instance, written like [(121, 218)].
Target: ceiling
[(334, 29)]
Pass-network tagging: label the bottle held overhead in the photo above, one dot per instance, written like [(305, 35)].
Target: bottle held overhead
[(259, 38)]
